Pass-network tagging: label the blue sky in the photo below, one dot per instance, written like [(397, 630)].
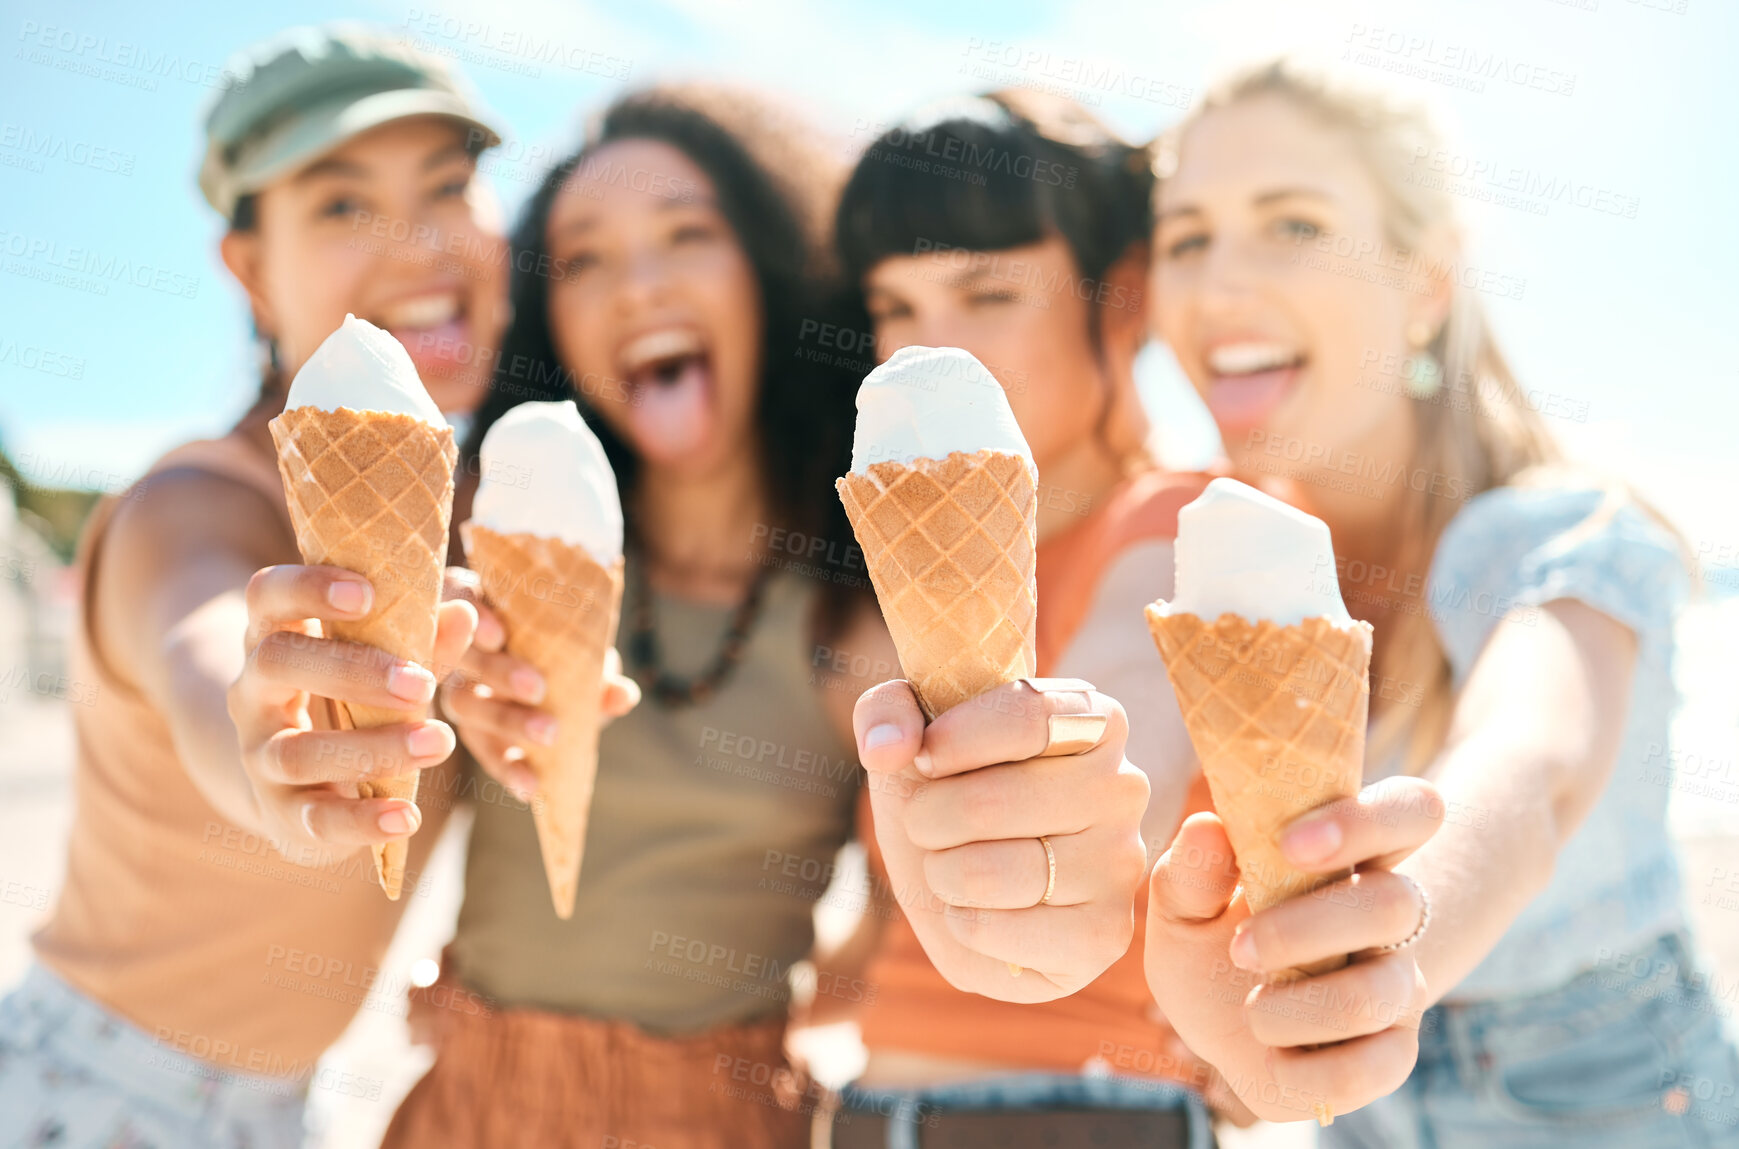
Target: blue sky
[(1626, 320)]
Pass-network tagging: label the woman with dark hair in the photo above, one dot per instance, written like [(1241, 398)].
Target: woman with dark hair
[(666, 277), (677, 258), (159, 1010), (1026, 244)]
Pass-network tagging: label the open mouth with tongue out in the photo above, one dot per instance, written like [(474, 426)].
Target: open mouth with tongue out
[(669, 374), (434, 327), (1249, 379)]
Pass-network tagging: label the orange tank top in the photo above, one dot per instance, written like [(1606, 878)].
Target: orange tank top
[(201, 932), (1113, 1022)]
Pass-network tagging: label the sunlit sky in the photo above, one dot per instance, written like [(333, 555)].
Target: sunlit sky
[(1632, 316)]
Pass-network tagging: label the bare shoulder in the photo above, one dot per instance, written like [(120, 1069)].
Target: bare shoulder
[(174, 542)]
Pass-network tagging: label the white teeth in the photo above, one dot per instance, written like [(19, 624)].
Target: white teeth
[(423, 311), (1244, 358), (657, 346)]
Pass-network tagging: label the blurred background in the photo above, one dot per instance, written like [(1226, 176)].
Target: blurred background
[(1604, 200)]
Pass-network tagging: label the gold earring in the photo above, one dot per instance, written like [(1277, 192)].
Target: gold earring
[(1420, 333)]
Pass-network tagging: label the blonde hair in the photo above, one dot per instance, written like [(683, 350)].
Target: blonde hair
[(1496, 438)]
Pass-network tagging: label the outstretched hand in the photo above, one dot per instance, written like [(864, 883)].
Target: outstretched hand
[(1318, 1046), (304, 772), (960, 807)]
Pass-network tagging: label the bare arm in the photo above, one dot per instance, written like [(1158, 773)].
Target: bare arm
[(841, 669), (1535, 735), (170, 615)]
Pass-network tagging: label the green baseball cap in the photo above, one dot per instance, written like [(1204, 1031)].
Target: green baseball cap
[(302, 93)]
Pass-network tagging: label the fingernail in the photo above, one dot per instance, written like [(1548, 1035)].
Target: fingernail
[(400, 821), (1311, 840), (349, 596), (1244, 950), (541, 729), (884, 735), (921, 763), (410, 682), (429, 741), (527, 684)]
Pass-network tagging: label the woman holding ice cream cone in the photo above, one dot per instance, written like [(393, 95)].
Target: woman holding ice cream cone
[(1522, 661), (160, 1009), (686, 238), (1041, 280)]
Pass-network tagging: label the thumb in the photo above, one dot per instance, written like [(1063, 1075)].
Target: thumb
[(455, 624), (1194, 880), (889, 727)]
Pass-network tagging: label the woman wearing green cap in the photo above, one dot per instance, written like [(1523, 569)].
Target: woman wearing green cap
[(200, 957)]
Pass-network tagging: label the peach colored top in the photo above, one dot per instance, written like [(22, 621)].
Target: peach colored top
[(198, 931), (1114, 1020)]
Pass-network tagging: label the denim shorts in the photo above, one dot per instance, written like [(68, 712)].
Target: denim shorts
[(75, 1076), (1632, 1054), (905, 1108)]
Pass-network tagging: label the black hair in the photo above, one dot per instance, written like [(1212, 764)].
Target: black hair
[(773, 187), (986, 173)]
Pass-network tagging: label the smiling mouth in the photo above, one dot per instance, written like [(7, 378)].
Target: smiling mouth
[(433, 328), (669, 377), (662, 358), (1248, 380)]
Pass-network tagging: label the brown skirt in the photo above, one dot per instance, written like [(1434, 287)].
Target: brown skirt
[(527, 1077)]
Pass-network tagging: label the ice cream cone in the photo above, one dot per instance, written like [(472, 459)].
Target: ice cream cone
[(1277, 716), (950, 546), (560, 607), (372, 492)]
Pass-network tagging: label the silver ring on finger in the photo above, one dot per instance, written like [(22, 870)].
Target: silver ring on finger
[(1424, 919)]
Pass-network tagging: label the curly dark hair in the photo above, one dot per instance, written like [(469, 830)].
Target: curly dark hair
[(776, 186)]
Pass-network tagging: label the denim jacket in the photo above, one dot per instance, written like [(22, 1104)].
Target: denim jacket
[(1615, 887)]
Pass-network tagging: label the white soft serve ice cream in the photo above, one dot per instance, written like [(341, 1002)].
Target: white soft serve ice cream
[(365, 369), (1248, 553), (928, 402), (544, 473)]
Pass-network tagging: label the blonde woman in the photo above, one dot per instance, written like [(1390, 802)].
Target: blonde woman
[(1316, 295)]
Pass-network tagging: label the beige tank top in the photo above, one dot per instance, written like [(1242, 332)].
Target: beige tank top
[(713, 831), (198, 931)]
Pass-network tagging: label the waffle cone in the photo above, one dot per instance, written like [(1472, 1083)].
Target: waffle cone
[(372, 492), (1277, 716), (560, 608), (950, 546)]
